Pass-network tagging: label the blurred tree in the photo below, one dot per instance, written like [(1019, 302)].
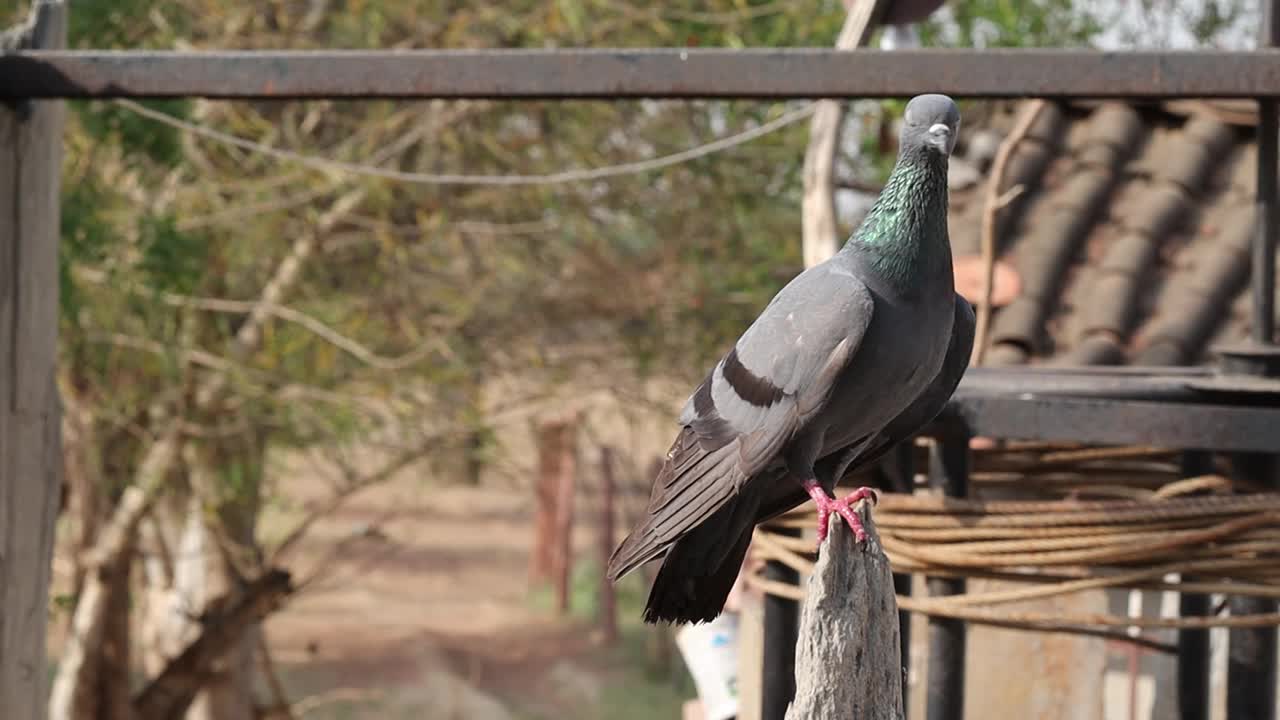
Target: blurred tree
[(220, 302)]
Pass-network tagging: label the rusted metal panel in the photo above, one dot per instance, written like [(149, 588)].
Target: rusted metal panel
[(658, 73), (1122, 422)]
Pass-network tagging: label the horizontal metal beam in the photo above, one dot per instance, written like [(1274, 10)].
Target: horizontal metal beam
[(1175, 407), (652, 73)]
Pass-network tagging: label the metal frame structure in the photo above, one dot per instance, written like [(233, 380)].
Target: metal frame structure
[(1235, 410), (578, 74)]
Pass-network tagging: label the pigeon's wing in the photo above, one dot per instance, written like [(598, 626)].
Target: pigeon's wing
[(778, 375), (910, 421), (933, 399)]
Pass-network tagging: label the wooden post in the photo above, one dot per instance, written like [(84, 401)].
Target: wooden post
[(849, 654), (562, 557), (553, 543), (608, 600), (30, 415)]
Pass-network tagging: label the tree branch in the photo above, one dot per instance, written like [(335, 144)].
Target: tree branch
[(819, 231), (995, 200), (222, 625)]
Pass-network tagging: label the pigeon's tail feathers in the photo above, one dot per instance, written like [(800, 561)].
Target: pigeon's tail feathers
[(693, 483), (631, 554), (684, 591)]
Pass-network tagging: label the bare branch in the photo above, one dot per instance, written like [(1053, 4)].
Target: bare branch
[(353, 486), (995, 201), (566, 176), (818, 222), (222, 625)]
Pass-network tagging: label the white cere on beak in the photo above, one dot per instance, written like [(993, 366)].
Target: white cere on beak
[(941, 135)]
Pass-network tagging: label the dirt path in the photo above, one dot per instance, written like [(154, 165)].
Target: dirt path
[(441, 585)]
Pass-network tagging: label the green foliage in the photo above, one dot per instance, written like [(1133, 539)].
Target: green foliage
[(87, 239), (1010, 23), (171, 260), (1213, 18), (138, 137), (125, 23), (597, 282)]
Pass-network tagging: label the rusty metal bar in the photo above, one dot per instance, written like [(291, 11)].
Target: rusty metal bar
[(781, 631), (944, 694), (1251, 652), (1123, 422), (901, 479), (1264, 246), (1193, 644), (654, 73), (1263, 284)]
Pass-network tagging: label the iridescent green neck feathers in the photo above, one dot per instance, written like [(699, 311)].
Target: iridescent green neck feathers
[(904, 236)]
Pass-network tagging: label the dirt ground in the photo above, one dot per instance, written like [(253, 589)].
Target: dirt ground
[(427, 608)]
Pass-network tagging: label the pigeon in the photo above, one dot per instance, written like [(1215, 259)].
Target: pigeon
[(852, 356)]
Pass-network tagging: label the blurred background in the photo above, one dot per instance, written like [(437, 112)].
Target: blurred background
[(424, 355)]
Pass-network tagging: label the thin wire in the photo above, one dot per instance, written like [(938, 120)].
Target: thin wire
[(566, 176)]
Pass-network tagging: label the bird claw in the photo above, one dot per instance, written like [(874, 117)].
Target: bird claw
[(843, 508)]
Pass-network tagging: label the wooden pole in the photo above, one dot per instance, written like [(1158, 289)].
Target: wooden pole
[(608, 600), (562, 557), (555, 471), (30, 414), (848, 659)]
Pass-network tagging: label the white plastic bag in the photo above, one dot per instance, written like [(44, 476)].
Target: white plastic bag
[(710, 651)]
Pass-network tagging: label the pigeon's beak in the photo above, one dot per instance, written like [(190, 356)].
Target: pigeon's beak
[(942, 137)]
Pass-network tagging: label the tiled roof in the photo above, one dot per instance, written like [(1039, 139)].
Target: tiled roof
[(1131, 236)]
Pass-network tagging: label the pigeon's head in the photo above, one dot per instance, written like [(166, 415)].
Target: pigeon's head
[(932, 122)]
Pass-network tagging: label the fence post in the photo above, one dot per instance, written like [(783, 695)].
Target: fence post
[(608, 600), (848, 655), (30, 447), (553, 524)]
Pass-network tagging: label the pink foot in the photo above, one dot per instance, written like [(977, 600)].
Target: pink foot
[(844, 508)]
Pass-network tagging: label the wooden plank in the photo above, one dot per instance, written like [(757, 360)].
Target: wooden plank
[(848, 657), (30, 451)]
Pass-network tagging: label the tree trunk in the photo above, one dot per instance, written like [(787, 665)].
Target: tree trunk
[(228, 693), (82, 469), (30, 452), (154, 473), (223, 625), (101, 677), (93, 675), (217, 531)]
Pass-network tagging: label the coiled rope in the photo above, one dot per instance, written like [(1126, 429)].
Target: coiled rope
[(1139, 537)]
